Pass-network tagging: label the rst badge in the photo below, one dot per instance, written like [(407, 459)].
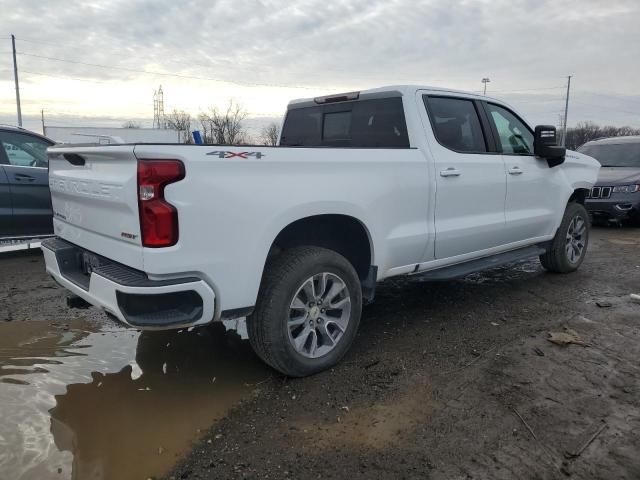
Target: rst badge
[(228, 154)]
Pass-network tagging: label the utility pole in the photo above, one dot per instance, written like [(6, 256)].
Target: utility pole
[(44, 131), (15, 76), (485, 81), (566, 112)]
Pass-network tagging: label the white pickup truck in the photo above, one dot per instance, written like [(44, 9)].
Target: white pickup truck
[(363, 186)]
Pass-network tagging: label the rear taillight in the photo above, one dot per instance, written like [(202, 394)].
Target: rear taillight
[(158, 218)]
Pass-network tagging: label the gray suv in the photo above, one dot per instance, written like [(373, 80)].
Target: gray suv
[(25, 202), (616, 195)]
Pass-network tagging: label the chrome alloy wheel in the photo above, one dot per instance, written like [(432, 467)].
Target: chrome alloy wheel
[(576, 239), (319, 315)]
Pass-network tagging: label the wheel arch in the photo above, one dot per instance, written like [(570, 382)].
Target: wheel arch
[(579, 195), (344, 234)]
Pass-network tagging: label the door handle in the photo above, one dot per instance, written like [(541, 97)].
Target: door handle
[(450, 172), (515, 171), (23, 178)]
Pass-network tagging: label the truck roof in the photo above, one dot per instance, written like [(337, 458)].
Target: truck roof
[(396, 90)]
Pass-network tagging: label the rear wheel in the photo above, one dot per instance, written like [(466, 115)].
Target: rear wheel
[(569, 246), (308, 311)]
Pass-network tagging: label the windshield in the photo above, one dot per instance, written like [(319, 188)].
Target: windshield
[(614, 154)]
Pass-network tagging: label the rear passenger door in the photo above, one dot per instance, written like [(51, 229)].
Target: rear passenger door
[(534, 190), (470, 178), (25, 164)]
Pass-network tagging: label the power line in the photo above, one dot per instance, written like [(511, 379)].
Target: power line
[(220, 80), (188, 63), (22, 39), (528, 89), (57, 45), (85, 80), (538, 101), (619, 96), (22, 70), (524, 90), (214, 79), (607, 108), (177, 75)]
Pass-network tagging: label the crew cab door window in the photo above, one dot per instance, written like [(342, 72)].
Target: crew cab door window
[(456, 124), (515, 136)]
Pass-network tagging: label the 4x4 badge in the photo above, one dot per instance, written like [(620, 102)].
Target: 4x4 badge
[(228, 154)]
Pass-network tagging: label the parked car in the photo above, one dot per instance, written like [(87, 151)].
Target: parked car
[(616, 195), (364, 186), (25, 202)]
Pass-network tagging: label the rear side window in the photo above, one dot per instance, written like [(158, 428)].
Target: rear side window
[(378, 123), (456, 124)]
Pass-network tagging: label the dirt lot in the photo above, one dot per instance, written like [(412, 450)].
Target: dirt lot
[(449, 380)]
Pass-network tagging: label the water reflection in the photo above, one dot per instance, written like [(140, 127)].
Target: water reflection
[(115, 404)]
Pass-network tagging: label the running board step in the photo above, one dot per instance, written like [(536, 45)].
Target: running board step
[(462, 269)]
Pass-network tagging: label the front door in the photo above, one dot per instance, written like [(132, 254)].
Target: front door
[(470, 179), (534, 190), (6, 212), (25, 165)]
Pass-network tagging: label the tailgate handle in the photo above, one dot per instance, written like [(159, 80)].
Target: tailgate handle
[(74, 159)]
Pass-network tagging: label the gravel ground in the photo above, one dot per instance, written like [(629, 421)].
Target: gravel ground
[(449, 380), (459, 380), (28, 293)]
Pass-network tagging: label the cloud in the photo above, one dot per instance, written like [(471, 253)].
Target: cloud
[(522, 45)]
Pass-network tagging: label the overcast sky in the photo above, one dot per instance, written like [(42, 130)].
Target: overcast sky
[(264, 53)]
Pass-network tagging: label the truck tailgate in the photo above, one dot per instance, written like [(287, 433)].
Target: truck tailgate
[(94, 200)]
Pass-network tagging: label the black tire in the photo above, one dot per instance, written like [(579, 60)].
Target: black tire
[(267, 326), (556, 258)]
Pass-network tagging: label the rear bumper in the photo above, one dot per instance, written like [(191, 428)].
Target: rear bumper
[(127, 293)]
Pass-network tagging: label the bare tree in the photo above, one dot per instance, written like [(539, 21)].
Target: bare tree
[(224, 128), (584, 132), (269, 134), (181, 121), (131, 124)]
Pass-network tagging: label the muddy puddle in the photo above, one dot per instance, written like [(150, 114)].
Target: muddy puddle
[(83, 400)]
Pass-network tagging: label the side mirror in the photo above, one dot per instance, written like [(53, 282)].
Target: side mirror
[(546, 146)]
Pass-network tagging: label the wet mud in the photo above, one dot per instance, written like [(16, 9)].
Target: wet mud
[(453, 379), (458, 380), (95, 400)]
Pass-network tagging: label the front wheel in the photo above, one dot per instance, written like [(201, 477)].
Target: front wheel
[(569, 246), (308, 311)]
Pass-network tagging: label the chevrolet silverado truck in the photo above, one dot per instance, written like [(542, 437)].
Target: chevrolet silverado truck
[(363, 186)]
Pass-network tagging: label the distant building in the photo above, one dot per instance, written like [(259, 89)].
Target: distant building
[(111, 135)]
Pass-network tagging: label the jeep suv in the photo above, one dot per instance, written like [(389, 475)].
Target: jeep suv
[(616, 195)]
